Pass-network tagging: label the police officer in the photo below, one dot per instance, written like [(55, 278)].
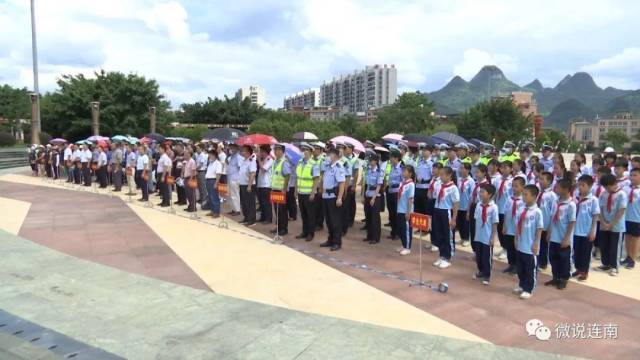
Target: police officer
[(453, 161), (394, 180), (373, 182), (405, 154), (346, 165), (319, 158), (353, 165), (280, 172), (486, 153), (508, 149), (333, 184), (307, 179), (547, 157), (424, 170), (442, 154), (463, 151)]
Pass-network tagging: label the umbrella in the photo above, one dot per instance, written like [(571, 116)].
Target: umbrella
[(95, 138), (155, 137), (293, 153), (119, 138), (256, 139), (393, 138), (450, 137), (419, 138), (224, 134), (103, 144), (479, 143), (83, 142), (439, 140), (145, 140), (57, 141), (304, 135), (357, 145)]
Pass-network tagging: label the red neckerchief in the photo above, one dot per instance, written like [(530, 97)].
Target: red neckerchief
[(539, 199), (432, 186), (579, 202), (556, 216), (530, 175), (406, 182), (523, 216), (599, 191), (462, 183), (442, 189), (622, 179), (501, 190), (475, 190), (484, 213), (514, 206), (631, 194), (610, 199)]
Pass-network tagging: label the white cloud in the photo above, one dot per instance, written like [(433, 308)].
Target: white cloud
[(475, 59), (620, 70)]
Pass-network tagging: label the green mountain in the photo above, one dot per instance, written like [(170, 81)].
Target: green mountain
[(574, 96)]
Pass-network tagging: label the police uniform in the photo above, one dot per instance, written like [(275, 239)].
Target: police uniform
[(248, 166), (307, 173), (424, 171), (351, 165), (280, 172), (264, 187), (508, 155), (373, 183), (320, 163), (332, 179), (394, 181)]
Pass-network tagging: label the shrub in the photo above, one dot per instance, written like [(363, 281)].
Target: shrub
[(6, 139)]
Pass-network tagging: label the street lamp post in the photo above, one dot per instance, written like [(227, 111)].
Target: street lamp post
[(95, 117), (152, 119), (35, 98)]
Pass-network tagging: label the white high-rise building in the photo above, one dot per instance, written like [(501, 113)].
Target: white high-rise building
[(306, 99), (254, 92), (374, 87)]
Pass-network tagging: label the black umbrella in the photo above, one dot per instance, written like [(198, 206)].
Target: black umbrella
[(224, 134), (419, 138), (479, 143), (155, 137), (450, 137)]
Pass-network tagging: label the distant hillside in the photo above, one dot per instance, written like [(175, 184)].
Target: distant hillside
[(574, 96)]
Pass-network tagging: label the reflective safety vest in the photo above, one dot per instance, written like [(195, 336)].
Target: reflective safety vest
[(277, 179), (466, 160), (509, 157), (443, 161), (387, 171), (304, 176), (484, 160)]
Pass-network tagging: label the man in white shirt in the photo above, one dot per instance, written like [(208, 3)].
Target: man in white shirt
[(101, 168), (85, 160), (232, 168), (76, 156), (201, 164), (164, 170), (265, 162), (142, 172), (131, 170), (212, 177), (68, 162)]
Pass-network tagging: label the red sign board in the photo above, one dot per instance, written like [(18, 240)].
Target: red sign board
[(420, 221), (278, 197)]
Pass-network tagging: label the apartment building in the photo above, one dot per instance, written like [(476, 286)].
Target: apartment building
[(257, 95), (593, 134), (305, 99)]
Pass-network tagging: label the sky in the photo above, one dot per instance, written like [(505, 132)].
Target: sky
[(200, 49)]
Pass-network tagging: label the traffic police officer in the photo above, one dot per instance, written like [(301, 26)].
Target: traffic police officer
[(394, 181), (424, 171), (280, 172), (406, 156), (547, 157), (508, 149), (307, 176), (486, 156), (463, 150), (319, 158), (333, 184), (354, 166), (373, 182)]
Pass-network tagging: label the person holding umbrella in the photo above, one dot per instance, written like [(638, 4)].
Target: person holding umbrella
[(307, 179), (280, 172)]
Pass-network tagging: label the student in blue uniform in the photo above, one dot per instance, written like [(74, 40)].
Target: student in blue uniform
[(405, 208), (395, 179), (444, 217), (486, 224), (424, 169), (561, 235), (587, 213), (613, 205), (528, 233), (632, 219), (373, 182), (547, 201), (481, 178), (465, 186), (513, 207), (503, 194), (434, 186), (333, 184)]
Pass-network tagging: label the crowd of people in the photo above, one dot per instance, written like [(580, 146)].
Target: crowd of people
[(540, 212)]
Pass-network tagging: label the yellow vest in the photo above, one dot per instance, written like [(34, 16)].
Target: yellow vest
[(277, 179), (304, 176)]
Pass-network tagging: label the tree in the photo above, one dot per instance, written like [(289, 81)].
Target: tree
[(279, 124), (124, 105), (616, 138), (559, 139), (411, 113), (14, 103), (497, 119), (221, 111)]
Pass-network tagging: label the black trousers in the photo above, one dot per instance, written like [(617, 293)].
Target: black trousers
[(248, 204), (372, 218), (182, 195), (484, 258), (472, 224), (117, 178), (101, 174), (609, 254), (462, 224), (265, 204), (69, 173), (319, 211), (441, 232), (526, 265), (392, 206), (76, 173), (292, 207), (510, 247), (560, 259), (420, 201), (500, 236), (582, 253), (281, 214), (86, 174), (543, 256), (165, 192), (350, 202), (144, 186), (191, 197), (308, 213), (334, 216)]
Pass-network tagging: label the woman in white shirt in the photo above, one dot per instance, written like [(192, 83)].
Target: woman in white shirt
[(212, 177)]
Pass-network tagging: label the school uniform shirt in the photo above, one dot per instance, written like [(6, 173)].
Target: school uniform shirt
[(142, 162), (434, 188), (424, 171), (405, 193), (597, 190), (484, 223), (247, 166), (633, 207), (624, 182), (475, 193), (333, 176), (76, 155), (214, 169), (466, 186), (528, 223), (513, 207), (522, 175), (395, 178), (531, 179), (503, 192), (564, 214), (447, 195), (586, 170), (610, 204), (547, 201), (373, 179), (233, 166), (587, 208), (164, 163), (264, 175), (190, 168), (547, 163), (84, 156)]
